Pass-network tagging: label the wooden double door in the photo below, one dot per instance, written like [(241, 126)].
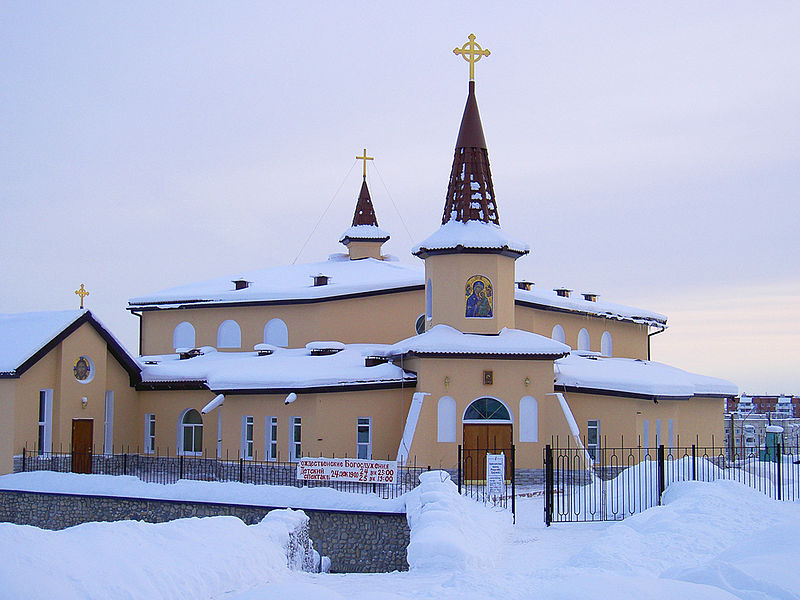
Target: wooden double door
[(480, 439)]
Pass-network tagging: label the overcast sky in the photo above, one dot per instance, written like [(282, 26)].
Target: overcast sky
[(648, 152)]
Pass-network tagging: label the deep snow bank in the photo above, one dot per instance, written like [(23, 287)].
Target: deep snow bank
[(449, 531), (187, 558)]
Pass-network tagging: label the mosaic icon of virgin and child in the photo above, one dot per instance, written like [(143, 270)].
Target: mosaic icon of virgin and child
[(478, 297)]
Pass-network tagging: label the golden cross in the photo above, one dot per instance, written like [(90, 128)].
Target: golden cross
[(472, 53), (365, 158), (82, 293)]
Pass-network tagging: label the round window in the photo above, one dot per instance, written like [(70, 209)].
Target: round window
[(83, 369), (419, 326)]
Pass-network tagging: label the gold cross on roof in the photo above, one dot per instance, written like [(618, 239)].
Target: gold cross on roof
[(365, 158), (82, 292), (472, 53)]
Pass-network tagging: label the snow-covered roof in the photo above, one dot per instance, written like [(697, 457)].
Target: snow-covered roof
[(293, 282), (445, 340), (636, 377), (25, 336), (547, 298), (292, 369), (471, 235), (359, 233)]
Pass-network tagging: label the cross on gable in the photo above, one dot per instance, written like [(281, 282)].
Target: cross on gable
[(82, 292)]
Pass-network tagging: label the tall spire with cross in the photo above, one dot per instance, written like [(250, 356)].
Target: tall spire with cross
[(470, 192)]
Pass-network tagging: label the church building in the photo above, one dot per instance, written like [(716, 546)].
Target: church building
[(361, 356)]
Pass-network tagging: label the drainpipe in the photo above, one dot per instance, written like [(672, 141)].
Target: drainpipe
[(649, 335)]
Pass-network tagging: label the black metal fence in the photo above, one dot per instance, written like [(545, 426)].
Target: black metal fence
[(169, 468), (609, 484), (473, 481)]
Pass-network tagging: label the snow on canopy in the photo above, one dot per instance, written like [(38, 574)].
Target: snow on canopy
[(24, 334), (293, 282), (638, 377), (472, 234), (365, 232), (443, 339), (283, 369)]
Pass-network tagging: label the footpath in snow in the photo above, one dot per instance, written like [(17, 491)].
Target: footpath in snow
[(708, 541)]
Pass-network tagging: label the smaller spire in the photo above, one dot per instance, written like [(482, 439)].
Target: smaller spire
[(365, 212), (364, 230)]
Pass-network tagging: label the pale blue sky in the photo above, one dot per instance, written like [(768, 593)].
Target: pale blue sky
[(648, 152)]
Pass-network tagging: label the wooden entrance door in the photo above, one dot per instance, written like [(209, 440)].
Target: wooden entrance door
[(82, 445), (480, 439)]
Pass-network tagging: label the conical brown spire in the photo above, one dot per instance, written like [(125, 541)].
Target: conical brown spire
[(470, 194), (365, 212)]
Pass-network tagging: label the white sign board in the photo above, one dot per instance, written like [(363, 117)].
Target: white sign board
[(347, 469), (495, 474)]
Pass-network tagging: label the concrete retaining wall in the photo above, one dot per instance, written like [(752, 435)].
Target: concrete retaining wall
[(356, 542)]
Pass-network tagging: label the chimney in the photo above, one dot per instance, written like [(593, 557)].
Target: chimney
[(240, 284), (563, 292), (525, 285), (589, 297)]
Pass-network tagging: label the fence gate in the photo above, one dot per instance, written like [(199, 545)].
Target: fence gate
[(488, 475)]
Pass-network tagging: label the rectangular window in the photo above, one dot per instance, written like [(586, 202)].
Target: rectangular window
[(670, 432), (645, 433), (108, 424), (247, 437), (295, 448), (271, 438), (658, 432), (45, 440), (364, 437), (149, 433), (593, 437)]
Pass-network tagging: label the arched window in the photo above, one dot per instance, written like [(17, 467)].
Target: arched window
[(419, 325), (558, 334), (583, 340), (276, 333), (183, 336), (528, 419), (190, 433), (487, 409), (229, 335), (446, 420), (606, 344), (429, 300)]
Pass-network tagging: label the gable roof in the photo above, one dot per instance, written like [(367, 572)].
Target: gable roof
[(27, 337)]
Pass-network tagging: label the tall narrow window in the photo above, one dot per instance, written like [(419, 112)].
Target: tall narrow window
[(191, 433), (45, 421), (429, 300), (558, 334), (645, 433), (446, 420), (670, 432), (528, 419), (606, 344), (229, 335), (247, 437), (108, 424), (584, 342), (295, 448), (658, 432), (364, 437), (183, 336), (271, 438), (149, 433), (593, 437)]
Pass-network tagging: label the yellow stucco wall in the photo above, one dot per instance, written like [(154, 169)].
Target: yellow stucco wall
[(449, 274), (328, 420), (379, 319), (7, 409)]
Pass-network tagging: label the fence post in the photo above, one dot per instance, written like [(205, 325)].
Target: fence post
[(23, 459), (548, 485), (124, 464), (694, 463), (779, 456), (513, 485), (459, 469), (180, 468), (661, 478), (241, 469)]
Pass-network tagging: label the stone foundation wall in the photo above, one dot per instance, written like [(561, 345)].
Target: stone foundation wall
[(355, 542)]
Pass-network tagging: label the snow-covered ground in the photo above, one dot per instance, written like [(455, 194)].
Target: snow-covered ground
[(717, 540)]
